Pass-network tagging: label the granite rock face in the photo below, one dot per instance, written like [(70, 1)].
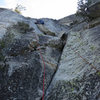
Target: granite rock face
[(21, 66), (78, 75), (93, 10), (71, 53)]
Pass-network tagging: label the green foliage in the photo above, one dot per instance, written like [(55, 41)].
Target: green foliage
[(23, 27), (1, 56), (2, 45), (72, 89), (17, 11), (19, 8), (98, 73), (4, 42), (92, 47), (7, 39), (82, 6)]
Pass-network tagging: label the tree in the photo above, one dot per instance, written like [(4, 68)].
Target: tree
[(83, 4), (19, 9)]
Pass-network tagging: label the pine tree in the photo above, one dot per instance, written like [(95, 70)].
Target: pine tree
[(82, 5)]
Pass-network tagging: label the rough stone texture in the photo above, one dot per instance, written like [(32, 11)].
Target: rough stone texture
[(75, 78), (71, 20), (21, 67), (69, 56), (93, 1), (93, 10), (45, 30)]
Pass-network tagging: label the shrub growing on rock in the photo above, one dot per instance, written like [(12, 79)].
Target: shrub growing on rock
[(23, 27)]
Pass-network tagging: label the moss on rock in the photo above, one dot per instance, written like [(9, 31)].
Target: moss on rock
[(23, 27)]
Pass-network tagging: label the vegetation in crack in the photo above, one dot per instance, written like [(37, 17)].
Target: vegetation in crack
[(7, 39), (63, 38), (23, 27)]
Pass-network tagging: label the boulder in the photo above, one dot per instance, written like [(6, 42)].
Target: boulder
[(45, 30), (93, 10), (71, 20)]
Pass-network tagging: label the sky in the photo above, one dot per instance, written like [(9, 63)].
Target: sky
[(55, 9)]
